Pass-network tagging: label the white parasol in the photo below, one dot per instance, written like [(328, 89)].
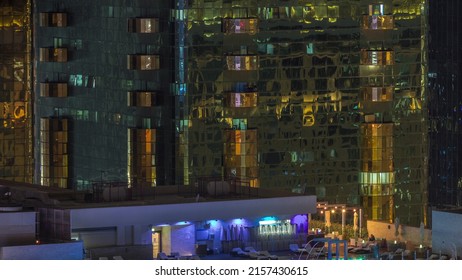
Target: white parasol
[(328, 224), (422, 232), (355, 222)]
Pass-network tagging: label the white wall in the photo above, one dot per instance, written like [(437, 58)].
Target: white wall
[(58, 251), (142, 218), (172, 213), (17, 228), (447, 233), (183, 239), (407, 234), (97, 237)]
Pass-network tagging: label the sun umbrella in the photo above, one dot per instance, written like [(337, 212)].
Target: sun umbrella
[(328, 224), (422, 232), (241, 233), (355, 222), (223, 234), (230, 233), (236, 232)]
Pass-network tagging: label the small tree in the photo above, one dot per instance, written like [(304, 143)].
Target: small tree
[(347, 233)]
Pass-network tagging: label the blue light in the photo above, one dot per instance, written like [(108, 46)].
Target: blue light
[(213, 223), (270, 220), (162, 225), (237, 221)]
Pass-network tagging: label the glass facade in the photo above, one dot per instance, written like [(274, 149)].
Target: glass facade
[(142, 157), (16, 144), (321, 97), (106, 67), (54, 155), (334, 90), (445, 99)]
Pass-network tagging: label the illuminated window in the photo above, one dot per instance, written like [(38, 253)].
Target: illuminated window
[(142, 171), (242, 62), (239, 26), (143, 25), (53, 54), (53, 152), (53, 89), (373, 57), (240, 155), (377, 94), (309, 48), (141, 98), (377, 147), (241, 99), (143, 62), (376, 22), (53, 19), (376, 9)]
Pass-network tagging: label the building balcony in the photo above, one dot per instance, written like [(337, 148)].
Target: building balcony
[(143, 62), (377, 94), (142, 98), (240, 25), (241, 62), (377, 22), (377, 57), (241, 99), (240, 136), (53, 54), (53, 89), (53, 19), (54, 154), (141, 160), (143, 25)]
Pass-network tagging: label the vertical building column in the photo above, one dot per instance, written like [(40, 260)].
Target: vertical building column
[(54, 158), (142, 157), (377, 174), (16, 133), (240, 153), (142, 235), (121, 236)]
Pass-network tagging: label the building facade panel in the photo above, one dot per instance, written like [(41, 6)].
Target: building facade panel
[(322, 97), (16, 135)]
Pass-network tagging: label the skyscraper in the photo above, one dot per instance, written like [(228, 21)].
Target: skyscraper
[(445, 188), (321, 97), (102, 93), (16, 136)]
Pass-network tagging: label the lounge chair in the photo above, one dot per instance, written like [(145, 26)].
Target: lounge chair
[(256, 256), (238, 252), (295, 249), (360, 250), (250, 249), (314, 249), (174, 256), (162, 256), (268, 256)]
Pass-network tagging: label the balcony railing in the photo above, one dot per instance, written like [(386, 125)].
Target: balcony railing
[(143, 25), (241, 62), (53, 19), (53, 89), (240, 25), (143, 62), (53, 55)]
